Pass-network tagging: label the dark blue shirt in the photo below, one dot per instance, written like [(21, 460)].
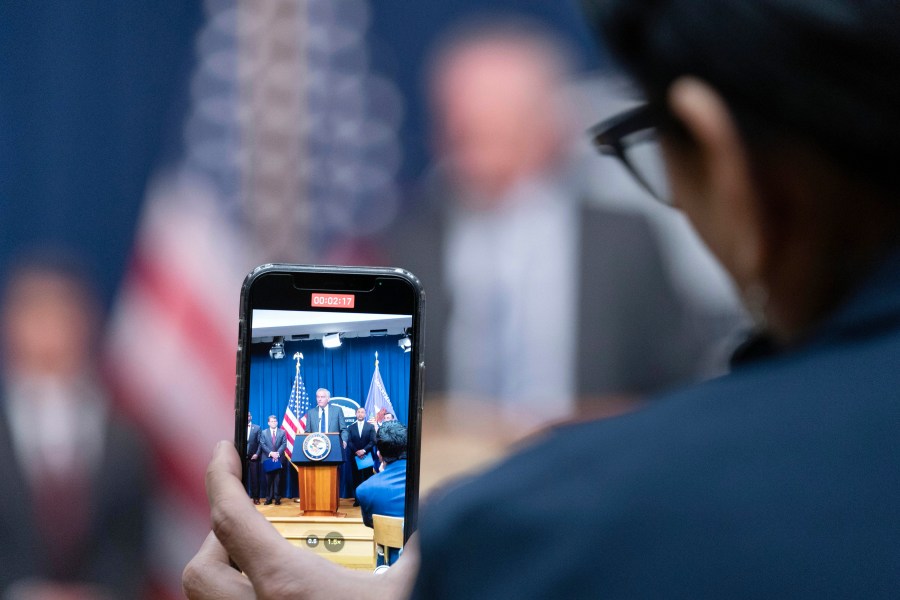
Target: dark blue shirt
[(384, 494), (779, 480)]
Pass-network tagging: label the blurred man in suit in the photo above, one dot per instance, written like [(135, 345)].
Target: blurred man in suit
[(361, 442), (76, 480), (272, 444), (325, 418), (253, 458), (509, 210)]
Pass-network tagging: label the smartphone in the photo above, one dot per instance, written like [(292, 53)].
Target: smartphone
[(330, 368)]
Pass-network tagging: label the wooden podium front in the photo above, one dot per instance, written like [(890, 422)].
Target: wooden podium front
[(319, 480)]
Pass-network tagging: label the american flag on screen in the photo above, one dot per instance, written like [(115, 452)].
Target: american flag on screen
[(295, 414), (378, 403)]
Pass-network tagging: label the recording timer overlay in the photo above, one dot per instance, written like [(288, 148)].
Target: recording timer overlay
[(334, 300)]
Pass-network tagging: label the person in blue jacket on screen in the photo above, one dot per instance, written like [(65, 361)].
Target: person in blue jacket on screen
[(385, 493)]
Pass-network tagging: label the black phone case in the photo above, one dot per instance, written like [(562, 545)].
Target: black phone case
[(339, 279)]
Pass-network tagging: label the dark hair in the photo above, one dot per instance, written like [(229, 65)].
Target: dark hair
[(500, 26), (55, 261), (391, 441), (822, 71)]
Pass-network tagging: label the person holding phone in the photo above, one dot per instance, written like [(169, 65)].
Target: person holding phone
[(779, 124)]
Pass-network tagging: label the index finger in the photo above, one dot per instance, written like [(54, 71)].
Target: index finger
[(249, 538)]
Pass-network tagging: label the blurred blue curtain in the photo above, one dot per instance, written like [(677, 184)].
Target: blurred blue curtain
[(345, 371), (92, 99)]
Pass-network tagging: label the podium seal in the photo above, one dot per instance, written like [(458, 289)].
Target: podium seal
[(316, 446)]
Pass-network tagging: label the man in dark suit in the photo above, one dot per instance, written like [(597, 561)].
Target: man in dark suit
[(779, 480), (272, 444), (253, 458), (74, 515), (325, 418), (360, 444)]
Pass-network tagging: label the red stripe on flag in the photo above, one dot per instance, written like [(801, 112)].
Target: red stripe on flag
[(291, 420), (179, 475), (178, 301), (180, 305)]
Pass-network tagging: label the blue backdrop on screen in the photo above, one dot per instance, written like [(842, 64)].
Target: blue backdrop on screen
[(345, 371)]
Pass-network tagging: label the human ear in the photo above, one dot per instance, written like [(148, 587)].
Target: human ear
[(717, 188)]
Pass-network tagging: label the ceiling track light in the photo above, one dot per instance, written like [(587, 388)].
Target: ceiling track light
[(332, 340), (405, 343), (277, 349)]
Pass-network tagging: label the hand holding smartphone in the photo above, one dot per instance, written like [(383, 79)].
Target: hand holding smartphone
[(328, 401)]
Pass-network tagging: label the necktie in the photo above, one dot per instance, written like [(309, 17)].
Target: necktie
[(321, 412), (273, 438)]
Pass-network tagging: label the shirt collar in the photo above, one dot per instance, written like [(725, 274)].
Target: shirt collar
[(400, 463), (871, 308)]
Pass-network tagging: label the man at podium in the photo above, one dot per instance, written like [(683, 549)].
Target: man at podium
[(325, 418)]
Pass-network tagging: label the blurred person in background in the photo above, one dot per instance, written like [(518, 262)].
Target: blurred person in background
[(73, 514), (537, 293)]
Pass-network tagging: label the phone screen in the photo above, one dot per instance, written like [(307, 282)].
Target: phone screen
[(328, 408)]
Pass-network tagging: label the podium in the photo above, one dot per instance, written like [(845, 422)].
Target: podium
[(319, 477)]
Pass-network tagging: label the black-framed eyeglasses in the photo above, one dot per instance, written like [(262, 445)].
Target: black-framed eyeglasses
[(631, 137)]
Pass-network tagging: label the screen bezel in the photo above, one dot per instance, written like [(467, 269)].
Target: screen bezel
[(377, 290)]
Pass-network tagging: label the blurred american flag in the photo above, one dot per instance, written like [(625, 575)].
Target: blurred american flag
[(171, 346), (280, 135), (171, 359)]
